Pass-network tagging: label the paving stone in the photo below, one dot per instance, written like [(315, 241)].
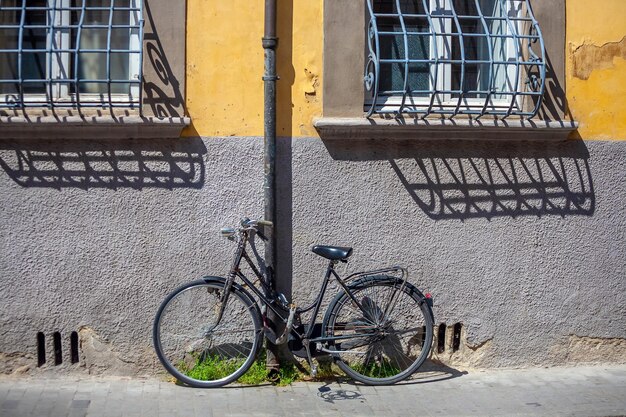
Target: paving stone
[(586, 391), (80, 404), (9, 404)]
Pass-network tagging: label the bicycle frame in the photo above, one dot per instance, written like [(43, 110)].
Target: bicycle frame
[(267, 296), (377, 327)]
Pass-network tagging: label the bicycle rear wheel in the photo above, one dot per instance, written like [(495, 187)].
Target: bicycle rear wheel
[(387, 340), (194, 346)]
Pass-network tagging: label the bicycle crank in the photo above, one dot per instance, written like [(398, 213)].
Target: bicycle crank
[(325, 350)]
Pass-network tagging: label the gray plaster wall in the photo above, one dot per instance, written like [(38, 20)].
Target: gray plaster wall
[(94, 234), (524, 244)]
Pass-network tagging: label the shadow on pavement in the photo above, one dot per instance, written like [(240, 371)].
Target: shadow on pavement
[(330, 395), (428, 373), (433, 372)]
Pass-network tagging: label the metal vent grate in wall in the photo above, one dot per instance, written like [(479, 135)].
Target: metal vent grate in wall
[(57, 348), (451, 57), (70, 53), (443, 336)]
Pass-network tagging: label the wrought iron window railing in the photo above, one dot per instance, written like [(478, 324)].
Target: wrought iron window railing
[(71, 53), (452, 57)]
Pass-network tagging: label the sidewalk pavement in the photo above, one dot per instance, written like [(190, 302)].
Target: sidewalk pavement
[(581, 391)]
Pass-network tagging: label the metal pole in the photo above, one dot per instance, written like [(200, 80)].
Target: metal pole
[(270, 41)]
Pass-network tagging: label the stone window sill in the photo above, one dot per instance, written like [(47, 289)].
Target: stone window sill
[(343, 128), (91, 127)]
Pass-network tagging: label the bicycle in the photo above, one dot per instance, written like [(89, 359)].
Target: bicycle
[(378, 328)]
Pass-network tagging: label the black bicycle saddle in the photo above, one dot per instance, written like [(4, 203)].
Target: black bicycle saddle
[(334, 253)]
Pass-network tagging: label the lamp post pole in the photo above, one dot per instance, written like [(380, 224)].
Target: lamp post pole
[(270, 42)]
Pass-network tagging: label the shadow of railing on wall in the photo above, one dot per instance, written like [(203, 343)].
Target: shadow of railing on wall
[(114, 164), (464, 180), (162, 90)]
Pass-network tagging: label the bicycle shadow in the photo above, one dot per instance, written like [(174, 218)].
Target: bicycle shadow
[(429, 373), (329, 395), (433, 372)]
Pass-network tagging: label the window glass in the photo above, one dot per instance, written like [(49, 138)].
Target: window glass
[(8, 41), (34, 61), (392, 45), (33, 44), (475, 48), (93, 59)]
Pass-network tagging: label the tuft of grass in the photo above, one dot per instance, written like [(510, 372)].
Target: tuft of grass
[(257, 374), (212, 367), (287, 375), (373, 369)]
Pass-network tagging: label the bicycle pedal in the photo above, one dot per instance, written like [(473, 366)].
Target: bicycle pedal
[(313, 370)]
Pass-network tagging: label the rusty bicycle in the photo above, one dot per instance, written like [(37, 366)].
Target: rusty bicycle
[(378, 328)]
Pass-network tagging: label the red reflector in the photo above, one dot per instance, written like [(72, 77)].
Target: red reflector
[(428, 295)]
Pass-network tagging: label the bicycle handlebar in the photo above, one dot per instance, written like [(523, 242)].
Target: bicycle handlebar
[(246, 222)]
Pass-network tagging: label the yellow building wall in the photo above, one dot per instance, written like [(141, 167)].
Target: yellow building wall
[(225, 66), (596, 67)]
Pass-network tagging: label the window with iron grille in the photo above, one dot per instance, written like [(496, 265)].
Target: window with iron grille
[(70, 53), (451, 57)]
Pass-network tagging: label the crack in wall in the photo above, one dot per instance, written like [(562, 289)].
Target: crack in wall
[(587, 58)]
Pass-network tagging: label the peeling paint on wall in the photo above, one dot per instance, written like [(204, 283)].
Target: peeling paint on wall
[(589, 350), (16, 363), (310, 92), (596, 68), (586, 58), (100, 357), (468, 355)]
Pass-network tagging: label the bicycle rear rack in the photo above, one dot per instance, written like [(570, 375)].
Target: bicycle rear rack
[(404, 274)]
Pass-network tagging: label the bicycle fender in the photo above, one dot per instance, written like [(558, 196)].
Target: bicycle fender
[(366, 279)]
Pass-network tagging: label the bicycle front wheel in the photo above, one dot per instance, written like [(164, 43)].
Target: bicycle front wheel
[(198, 347), (384, 340)]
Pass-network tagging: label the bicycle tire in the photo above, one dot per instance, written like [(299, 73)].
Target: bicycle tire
[(192, 350), (379, 348)]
